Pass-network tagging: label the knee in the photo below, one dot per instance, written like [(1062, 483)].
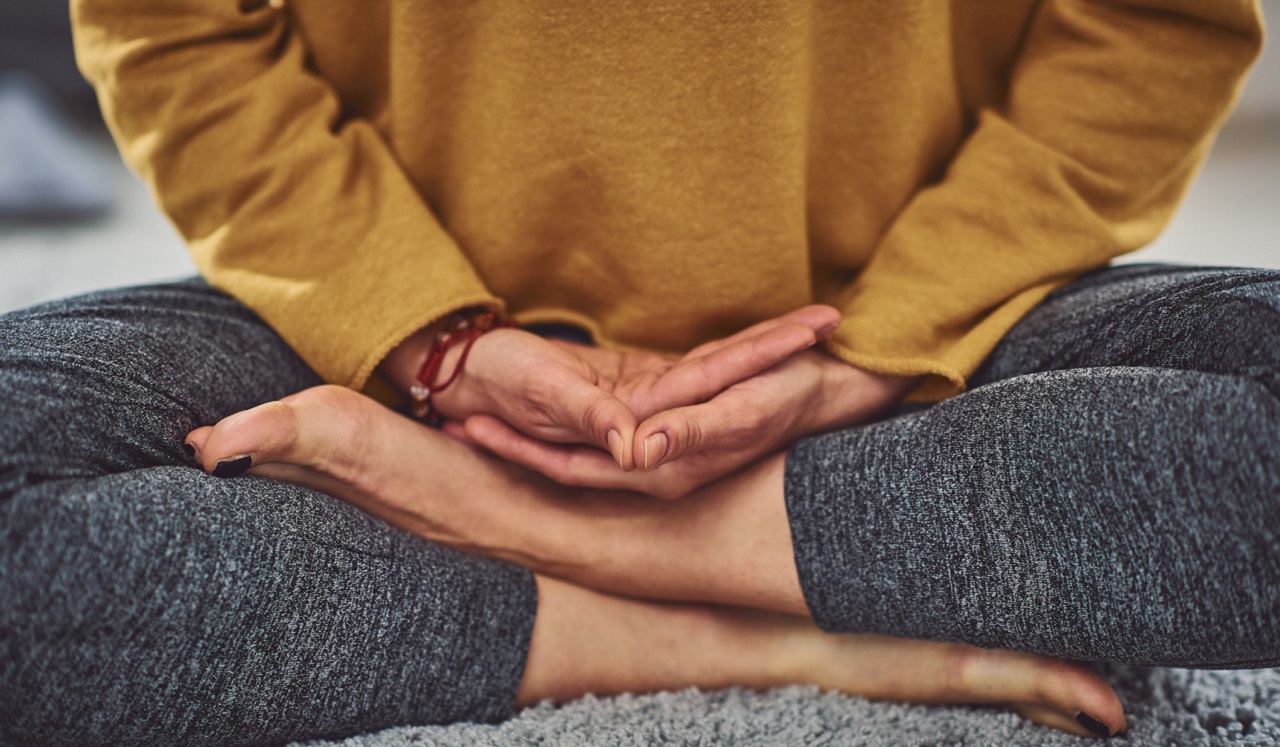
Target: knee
[(65, 415), (1224, 323), (120, 353), (113, 381)]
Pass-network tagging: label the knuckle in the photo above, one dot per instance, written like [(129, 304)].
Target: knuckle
[(691, 437), (594, 421), (537, 393), (705, 376)]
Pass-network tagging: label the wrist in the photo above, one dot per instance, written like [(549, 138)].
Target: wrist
[(400, 366), (468, 394), (430, 363), (853, 395)]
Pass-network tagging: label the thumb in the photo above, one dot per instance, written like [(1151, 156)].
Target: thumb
[(608, 424), (671, 434), (601, 419)]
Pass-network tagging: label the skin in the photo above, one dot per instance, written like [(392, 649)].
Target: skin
[(560, 393), (635, 594)]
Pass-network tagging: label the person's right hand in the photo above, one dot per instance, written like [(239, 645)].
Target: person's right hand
[(564, 393), (810, 392)]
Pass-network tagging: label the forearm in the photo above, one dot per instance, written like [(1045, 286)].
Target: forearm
[(289, 203), (1107, 111)]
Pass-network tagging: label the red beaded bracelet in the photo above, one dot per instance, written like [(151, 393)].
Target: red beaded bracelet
[(462, 327)]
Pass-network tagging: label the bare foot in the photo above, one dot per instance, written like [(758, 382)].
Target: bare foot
[(347, 445), (343, 443), (1048, 691), (587, 641)]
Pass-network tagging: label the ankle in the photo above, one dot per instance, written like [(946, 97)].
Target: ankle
[(798, 653)]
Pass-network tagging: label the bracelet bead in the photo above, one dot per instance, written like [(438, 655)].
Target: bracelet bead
[(462, 327)]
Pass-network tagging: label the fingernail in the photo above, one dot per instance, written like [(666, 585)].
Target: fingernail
[(655, 448), (1092, 724), (615, 444), (191, 450), (233, 466), (826, 331)]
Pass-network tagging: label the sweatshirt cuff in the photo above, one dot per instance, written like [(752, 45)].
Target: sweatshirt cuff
[(946, 360)]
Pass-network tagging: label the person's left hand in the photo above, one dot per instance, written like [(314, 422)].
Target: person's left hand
[(680, 449), (565, 393)]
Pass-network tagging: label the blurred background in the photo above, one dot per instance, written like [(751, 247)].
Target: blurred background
[(73, 219)]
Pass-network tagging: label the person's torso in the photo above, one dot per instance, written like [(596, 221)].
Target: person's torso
[(671, 170)]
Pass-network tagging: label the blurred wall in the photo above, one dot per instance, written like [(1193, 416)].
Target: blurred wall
[(1262, 95), (35, 37)]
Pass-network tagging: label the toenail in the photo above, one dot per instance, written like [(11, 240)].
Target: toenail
[(1092, 724), (191, 450), (233, 466)]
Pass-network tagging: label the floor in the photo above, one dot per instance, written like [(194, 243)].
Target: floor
[(1231, 217)]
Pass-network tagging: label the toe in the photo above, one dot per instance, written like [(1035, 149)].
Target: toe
[(1050, 717), (306, 429), (263, 434), (194, 442), (1039, 685)]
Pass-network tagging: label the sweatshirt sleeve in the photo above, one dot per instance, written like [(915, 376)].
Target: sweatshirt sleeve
[(303, 215), (1111, 108)]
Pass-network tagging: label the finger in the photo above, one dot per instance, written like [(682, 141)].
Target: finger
[(594, 416), (457, 432), (822, 319), (617, 366), (727, 422), (576, 466), (691, 381)]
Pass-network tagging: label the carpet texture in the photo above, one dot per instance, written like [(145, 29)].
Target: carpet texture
[(1164, 707)]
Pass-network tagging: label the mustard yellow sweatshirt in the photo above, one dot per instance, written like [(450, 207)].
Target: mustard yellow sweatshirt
[(663, 172)]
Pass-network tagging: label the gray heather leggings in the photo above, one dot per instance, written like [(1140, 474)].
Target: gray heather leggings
[(1109, 489)]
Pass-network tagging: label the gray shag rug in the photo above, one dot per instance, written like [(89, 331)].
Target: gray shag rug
[(1164, 707)]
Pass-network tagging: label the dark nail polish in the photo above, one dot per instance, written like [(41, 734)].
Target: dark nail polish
[(1092, 724), (191, 450), (233, 467)]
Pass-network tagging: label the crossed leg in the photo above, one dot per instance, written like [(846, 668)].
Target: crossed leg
[(175, 606), (719, 566), (1088, 526)]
